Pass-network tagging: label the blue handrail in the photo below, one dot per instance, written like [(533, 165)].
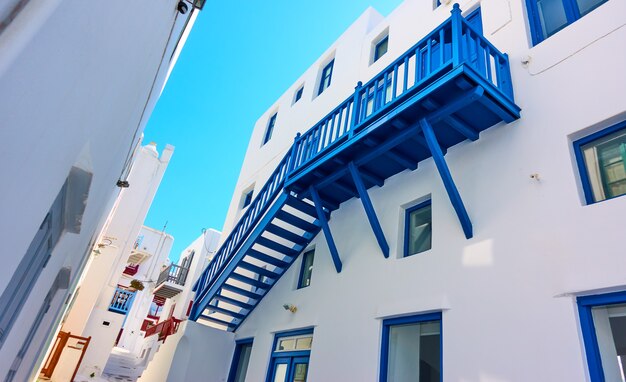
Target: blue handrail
[(452, 44)]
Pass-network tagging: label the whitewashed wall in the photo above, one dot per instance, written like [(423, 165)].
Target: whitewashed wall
[(507, 295), (78, 81)]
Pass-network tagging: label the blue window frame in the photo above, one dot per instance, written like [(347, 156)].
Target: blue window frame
[(241, 359), (270, 128), (418, 229), (603, 324), (327, 74), (247, 198), (290, 356), (298, 94), (547, 17), (412, 349), (306, 270), (601, 159), (381, 48)]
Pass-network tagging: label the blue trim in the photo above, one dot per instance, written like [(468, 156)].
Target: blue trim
[(327, 74), (239, 344), (572, 13), (378, 44), (306, 254), (270, 128), (298, 94), (415, 319), (580, 160), (585, 303), (407, 216), (369, 209)]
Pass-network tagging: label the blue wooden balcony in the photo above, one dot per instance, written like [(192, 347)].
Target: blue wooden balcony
[(122, 301), (447, 88)]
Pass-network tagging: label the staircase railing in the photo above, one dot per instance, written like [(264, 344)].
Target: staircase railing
[(452, 43), (246, 223)]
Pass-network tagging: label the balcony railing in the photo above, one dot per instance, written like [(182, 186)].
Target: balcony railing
[(164, 329), (174, 274), (453, 43), (131, 269), (122, 301)]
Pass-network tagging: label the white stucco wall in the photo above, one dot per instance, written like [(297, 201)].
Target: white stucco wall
[(507, 294), (76, 82)]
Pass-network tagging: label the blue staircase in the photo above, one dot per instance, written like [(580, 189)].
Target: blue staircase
[(447, 88)]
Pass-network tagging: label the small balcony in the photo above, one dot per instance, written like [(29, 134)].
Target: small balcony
[(171, 281), (131, 269), (122, 300), (163, 329)]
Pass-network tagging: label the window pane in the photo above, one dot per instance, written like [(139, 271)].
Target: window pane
[(244, 359), (304, 343), (381, 48), (286, 344), (552, 16), (610, 326), (420, 230), (307, 269), (586, 6), (605, 162), (414, 353), (300, 372), (280, 373)]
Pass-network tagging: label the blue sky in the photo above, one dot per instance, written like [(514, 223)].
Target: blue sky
[(239, 58)]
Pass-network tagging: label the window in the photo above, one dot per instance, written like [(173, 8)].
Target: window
[(306, 270), (601, 159), (32, 264), (241, 359), (298, 94), (418, 229), (411, 349), (270, 128), (603, 324), (546, 17), (327, 74), (381, 48), (290, 356), (246, 199)]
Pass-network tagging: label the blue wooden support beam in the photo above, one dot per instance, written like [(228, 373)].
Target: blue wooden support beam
[(324, 222), (369, 209), (446, 177)]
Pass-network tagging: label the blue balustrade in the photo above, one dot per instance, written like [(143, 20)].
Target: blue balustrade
[(122, 301)]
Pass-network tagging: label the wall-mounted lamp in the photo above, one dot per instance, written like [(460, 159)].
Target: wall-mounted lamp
[(290, 307), (122, 183), (182, 7)]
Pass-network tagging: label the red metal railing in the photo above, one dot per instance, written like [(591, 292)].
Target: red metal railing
[(164, 329), (131, 270)]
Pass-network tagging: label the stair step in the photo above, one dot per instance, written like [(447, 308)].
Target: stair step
[(232, 301), (243, 292), (286, 234), (296, 221), (277, 246), (268, 259), (218, 321), (261, 271), (302, 206), (236, 315), (249, 281)]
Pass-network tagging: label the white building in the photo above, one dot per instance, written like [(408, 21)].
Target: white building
[(163, 341), (78, 81), (466, 240)]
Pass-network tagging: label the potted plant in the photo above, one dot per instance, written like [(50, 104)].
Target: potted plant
[(136, 284)]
